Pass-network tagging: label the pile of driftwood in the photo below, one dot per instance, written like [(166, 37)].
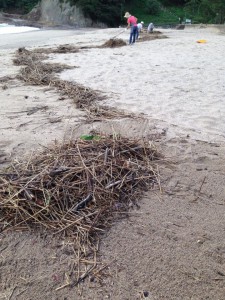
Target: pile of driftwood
[(79, 188)]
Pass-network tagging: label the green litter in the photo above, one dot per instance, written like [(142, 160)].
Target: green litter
[(90, 137)]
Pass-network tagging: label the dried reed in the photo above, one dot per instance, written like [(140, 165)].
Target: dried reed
[(77, 189), (36, 72)]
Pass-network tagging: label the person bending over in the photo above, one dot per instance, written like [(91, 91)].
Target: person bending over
[(139, 28), (150, 28)]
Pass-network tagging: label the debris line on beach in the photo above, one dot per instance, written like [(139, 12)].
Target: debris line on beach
[(150, 37), (36, 72)]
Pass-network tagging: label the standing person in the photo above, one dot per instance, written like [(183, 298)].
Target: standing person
[(139, 26), (150, 28), (132, 24)]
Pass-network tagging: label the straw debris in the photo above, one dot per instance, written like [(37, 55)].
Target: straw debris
[(25, 57), (113, 43), (77, 189), (150, 37), (82, 96), (63, 187), (100, 113), (67, 48), (36, 72)]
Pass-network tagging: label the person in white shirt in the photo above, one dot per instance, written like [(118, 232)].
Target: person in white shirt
[(150, 28), (139, 26)]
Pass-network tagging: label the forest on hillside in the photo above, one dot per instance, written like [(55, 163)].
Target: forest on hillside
[(111, 11)]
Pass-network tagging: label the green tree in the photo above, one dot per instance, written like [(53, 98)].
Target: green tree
[(106, 11), (207, 11), (173, 2), (6, 3), (218, 7), (153, 7), (23, 6)]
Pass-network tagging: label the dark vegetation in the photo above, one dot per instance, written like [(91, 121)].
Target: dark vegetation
[(158, 11), (17, 6)]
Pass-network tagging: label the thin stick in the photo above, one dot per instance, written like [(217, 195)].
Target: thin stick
[(199, 191)]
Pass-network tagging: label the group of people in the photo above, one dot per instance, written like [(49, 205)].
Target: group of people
[(135, 28)]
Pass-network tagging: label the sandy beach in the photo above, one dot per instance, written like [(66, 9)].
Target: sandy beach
[(173, 247), (175, 80)]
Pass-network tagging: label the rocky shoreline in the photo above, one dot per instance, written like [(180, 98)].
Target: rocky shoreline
[(25, 20), (19, 20)]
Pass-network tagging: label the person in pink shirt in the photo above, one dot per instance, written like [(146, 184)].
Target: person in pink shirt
[(132, 24)]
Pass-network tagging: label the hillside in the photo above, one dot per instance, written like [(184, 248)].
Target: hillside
[(111, 13), (168, 13), (156, 11)]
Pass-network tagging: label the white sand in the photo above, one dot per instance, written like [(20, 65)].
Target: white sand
[(177, 82)]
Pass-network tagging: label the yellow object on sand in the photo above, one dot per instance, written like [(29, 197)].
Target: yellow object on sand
[(201, 41)]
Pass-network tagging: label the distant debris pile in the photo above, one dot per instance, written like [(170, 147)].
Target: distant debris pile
[(180, 27)]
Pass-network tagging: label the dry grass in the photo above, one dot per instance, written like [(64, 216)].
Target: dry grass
[(60, 49), (113, 43), (77, 189), (150, 37), (36, 72)]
